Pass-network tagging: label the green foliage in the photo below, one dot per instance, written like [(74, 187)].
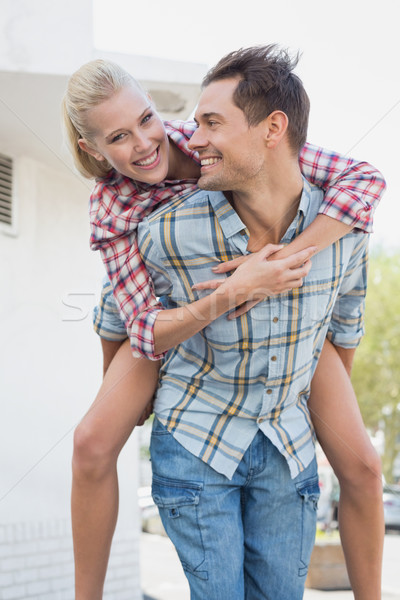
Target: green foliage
[(376, 372)]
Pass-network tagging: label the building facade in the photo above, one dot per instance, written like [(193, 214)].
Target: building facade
[(50, 362)]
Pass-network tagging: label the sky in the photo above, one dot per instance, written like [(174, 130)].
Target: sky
[(350, 54)]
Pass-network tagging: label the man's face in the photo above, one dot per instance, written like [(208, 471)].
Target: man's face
[(232, 153)]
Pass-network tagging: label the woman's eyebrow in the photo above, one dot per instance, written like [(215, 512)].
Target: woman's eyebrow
[(110, 135)]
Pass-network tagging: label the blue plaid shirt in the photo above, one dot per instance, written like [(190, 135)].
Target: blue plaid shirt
[(221, 386)]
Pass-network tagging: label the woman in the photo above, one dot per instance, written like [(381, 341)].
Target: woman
[(117, 137)]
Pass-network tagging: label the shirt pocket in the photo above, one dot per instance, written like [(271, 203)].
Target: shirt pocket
[(309, 493)]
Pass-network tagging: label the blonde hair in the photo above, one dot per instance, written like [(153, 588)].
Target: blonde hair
[(93, 83)]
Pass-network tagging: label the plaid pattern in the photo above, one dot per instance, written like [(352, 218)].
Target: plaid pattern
[(107, 322), (118, 204), (235, 377)]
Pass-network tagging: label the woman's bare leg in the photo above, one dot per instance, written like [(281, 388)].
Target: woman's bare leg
[(128, 387), (342, 435)]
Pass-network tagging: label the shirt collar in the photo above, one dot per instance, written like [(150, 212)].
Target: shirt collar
[(231, 224), (229, 220), (296, 226)]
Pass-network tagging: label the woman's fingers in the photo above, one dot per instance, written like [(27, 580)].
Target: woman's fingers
[(299, 258), (233, 264), (211, 284), (230, 265), (291, 261)]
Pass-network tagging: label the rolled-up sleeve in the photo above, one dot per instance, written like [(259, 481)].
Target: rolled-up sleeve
[(347, 324), (352, 188), (107, 321)]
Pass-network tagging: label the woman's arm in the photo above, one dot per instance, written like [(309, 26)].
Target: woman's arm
[(254, 281), (358, 184), (352, 189)]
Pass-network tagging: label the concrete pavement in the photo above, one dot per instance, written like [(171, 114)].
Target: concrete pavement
[(163, 579)]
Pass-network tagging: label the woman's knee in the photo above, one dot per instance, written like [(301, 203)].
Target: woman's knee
[(92, 457)]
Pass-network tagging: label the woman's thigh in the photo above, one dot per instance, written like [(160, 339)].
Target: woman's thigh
[(128, 386)]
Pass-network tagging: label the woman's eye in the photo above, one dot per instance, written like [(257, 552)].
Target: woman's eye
[(118, 137), (147, 118)]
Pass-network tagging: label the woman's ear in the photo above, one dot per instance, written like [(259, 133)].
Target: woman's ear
[(83, 145), (277, 124)]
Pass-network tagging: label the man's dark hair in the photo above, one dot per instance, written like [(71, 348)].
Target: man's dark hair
[(266, 83)]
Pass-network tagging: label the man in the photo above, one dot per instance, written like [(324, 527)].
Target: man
[(234, 470)]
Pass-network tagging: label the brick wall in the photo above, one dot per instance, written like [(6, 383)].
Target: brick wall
[(36, 563)]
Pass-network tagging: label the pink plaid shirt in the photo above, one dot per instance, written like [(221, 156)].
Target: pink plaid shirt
[(118, 204)]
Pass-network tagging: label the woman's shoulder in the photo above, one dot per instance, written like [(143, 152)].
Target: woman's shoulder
[(114, 185)]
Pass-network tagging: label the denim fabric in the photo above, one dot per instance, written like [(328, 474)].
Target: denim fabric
[(248, 538)]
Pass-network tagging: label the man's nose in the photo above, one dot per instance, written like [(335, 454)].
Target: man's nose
[(198, 140)]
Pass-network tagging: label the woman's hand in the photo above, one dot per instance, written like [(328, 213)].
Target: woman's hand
[(255, 277)]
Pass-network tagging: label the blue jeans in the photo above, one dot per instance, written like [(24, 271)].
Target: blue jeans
[(247, 538)]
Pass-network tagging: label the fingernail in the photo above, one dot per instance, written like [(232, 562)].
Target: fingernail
[(216, 268)]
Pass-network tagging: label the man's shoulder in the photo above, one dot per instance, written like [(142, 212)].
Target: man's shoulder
[(184, 206)]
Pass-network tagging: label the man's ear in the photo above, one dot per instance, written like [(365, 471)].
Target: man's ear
[(83, 145), (277, 123)]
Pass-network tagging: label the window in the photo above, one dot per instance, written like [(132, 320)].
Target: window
[(6, 192)]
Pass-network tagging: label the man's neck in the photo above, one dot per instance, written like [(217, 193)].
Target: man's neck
[(268, 209)]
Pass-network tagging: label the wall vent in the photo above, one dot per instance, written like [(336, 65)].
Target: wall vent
[(6, 190)]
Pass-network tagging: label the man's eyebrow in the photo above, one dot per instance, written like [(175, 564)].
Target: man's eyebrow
[(208, 115)]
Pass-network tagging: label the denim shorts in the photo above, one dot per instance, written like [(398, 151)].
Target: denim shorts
[(248, 538)]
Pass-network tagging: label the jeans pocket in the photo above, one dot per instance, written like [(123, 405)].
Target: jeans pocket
[(177, 503), (309, 492)]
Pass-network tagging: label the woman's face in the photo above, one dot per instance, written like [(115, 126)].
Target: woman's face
[(130, 135)]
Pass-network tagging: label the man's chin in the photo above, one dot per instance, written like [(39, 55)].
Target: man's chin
[(206, 183)]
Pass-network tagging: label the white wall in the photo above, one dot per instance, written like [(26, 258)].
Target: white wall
[(45, 36), (50, 370)]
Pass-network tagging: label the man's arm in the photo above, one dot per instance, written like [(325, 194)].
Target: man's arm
[(346, 327)]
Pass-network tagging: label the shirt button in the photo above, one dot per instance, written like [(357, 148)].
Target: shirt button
[(269, 391), (273, 358), (275, 319), (243, 232), (261, 419)]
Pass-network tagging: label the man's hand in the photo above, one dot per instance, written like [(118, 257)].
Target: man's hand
[(256, 278)]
